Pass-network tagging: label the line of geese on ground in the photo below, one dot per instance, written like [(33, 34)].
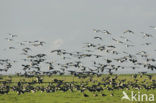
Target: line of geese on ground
[(97, 87)]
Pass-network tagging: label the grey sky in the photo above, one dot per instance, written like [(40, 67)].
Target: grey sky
[(70, 22)]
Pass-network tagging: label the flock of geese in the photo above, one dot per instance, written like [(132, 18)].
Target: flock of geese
[(96, 87), (108, 53), (87, 84)]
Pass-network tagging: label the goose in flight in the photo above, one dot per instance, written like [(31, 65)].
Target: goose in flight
[(148, 43), (125, 39), (128, 31), (154, 27), (12, 35), (11, 47), (96, 30), (107, 32), (146, 35), (96, 37), (118, 41), (90, 45), (128, 45), (8, 39), (26, 49)]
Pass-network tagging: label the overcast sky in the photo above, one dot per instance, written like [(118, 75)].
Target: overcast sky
[(69, 23)]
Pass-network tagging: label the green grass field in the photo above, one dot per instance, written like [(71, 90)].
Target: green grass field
[(113, 96)]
